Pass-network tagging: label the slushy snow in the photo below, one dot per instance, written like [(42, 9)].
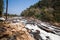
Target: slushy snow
[(43, 33)]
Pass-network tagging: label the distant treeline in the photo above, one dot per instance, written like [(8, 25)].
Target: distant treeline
[(45, 10), (11, 15)]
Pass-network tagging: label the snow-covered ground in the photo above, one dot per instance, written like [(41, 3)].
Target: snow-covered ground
[(43, 33), (1, 18)]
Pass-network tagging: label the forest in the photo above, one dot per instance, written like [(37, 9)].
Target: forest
[(45, 10)]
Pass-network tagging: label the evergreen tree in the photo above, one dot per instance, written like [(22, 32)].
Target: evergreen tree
[(1, 7)]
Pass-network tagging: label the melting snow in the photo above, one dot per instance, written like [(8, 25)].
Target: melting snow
[(43, 33)]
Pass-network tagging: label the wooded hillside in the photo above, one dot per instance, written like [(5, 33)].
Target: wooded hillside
[(45, 10)]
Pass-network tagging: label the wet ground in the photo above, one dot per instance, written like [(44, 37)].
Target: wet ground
[(38, 29)]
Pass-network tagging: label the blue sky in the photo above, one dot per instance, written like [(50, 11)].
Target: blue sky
[(17, 6)]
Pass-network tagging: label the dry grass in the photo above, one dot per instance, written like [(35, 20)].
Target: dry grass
[(11, 32)]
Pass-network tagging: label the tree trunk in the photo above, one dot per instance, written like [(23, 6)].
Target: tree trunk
[(0, 13), (6, 8)]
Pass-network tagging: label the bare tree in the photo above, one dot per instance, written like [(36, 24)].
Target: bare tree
[(6, 8)]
